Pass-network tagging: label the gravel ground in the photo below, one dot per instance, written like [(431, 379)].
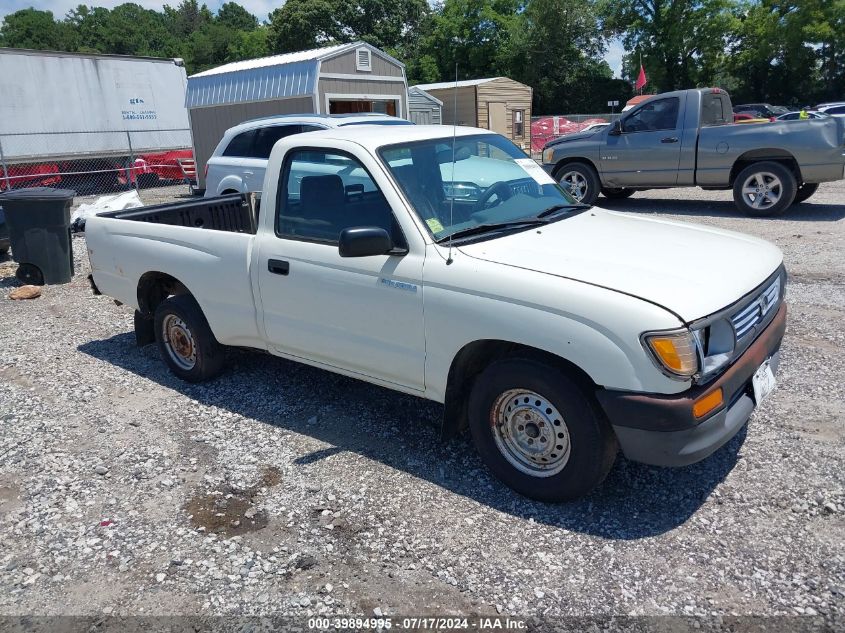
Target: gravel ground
[(282, 489)]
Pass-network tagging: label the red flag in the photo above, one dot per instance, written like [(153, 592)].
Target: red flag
[(641, 79)]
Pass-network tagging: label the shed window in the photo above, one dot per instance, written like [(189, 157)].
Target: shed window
[(518, 123), (363, 59)]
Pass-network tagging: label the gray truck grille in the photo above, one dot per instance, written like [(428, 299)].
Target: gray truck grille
[(755, 312)]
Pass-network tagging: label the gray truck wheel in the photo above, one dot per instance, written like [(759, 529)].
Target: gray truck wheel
[(764, 189), (537, 432), (805, 191), (185, 340), (581, 180)]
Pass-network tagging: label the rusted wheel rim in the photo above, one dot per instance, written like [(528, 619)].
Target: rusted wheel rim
[(179, 342), (530, 433)]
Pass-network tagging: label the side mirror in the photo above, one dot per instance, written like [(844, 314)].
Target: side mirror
[(364, 241), (616, 128)]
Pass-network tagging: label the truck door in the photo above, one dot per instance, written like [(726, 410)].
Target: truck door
[(647, 150), (360, 314)]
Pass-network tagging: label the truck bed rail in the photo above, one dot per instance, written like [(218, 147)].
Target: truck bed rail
[(235, 213)]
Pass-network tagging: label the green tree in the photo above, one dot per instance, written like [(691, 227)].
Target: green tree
[(234, 16), (188, 17), (304, 24), (557, 47), (30, 28), (681, 42)]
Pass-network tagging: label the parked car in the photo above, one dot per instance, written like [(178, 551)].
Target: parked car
[(553, 332), (795, 116), (239, 160), (834, 109), (762, 110), (684, 139)]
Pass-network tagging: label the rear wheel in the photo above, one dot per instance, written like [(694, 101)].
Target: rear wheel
[(616, 193), (185, 340), (537, 431), (805, 191), (764, 189), (581, 180)]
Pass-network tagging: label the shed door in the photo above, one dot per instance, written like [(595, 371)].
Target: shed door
[(421, 117), (497, 118)]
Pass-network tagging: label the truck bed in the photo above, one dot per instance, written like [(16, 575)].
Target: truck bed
[(235, 213)]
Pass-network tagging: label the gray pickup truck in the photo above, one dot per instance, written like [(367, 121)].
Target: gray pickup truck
[(687, 138)]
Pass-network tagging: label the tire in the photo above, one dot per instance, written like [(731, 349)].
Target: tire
[(805, 191), (581, 180), (770, 183), (30, 274), (185, 340), (575, 466), (616, 193)]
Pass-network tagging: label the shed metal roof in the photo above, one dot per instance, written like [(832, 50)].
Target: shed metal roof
[(419, 91), (460, 84), (266, 78)]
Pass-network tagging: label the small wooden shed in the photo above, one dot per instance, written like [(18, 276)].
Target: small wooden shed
[(424, 109), (339, 79), (499, 104)]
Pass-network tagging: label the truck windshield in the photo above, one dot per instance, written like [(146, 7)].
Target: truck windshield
[(490, 183)]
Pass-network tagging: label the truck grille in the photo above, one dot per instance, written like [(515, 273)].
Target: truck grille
[(755, 312)]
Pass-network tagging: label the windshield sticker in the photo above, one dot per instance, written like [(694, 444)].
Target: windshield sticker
[(434, 225), (535, 171)]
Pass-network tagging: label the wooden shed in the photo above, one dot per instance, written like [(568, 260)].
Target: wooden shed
[(340, 79), (498, 104), (424, 109)]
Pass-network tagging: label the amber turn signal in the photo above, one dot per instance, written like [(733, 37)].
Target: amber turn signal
[(706, 404)]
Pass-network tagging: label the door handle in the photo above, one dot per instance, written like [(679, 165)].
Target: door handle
[(247, 173), (278, 267), (669, 139)]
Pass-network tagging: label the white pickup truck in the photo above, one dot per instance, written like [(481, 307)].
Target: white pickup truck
[(457, 270)]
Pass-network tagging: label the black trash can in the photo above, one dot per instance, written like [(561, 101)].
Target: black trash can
[(4, 234), (38, 220)]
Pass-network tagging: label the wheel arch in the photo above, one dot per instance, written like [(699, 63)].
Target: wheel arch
[(563, 162), (154, 287), (475, 356), (770, 154)]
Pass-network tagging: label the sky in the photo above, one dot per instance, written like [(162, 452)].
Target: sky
[(260, 8)]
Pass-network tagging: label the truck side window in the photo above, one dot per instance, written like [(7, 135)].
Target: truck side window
[(323, 192), (661, 114)]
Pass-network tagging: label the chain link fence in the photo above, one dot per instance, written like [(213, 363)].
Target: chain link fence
[(550, 127), (98, 163)]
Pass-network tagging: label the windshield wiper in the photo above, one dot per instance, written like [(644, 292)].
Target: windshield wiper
[(561, 207), (492, 226)]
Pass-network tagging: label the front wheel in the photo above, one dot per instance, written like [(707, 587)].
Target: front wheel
[(805, 191), (537, 432), (185, 340), (764, 189), (581, 180)]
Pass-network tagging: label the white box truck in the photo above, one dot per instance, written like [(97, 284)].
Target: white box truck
[(71, 120)]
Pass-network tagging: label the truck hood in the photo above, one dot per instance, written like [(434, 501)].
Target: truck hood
[(691, 270), (575, 136)]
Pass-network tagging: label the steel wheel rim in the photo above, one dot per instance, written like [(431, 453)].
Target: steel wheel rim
[(762, 190), (530, 433), (179, 342), (576, 183)]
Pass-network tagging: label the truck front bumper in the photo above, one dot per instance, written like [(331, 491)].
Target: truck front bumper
[(662, 430)]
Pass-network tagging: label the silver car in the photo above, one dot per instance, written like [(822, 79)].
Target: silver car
[(240, 158)]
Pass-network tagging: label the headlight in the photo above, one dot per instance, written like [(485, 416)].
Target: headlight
[(675, 352), (716, 343), (548, 154)]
